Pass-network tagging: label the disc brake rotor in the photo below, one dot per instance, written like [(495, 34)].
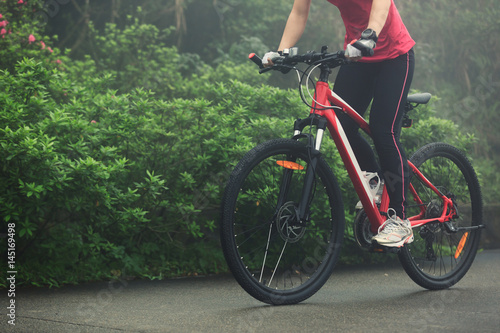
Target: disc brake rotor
[(288, 225)]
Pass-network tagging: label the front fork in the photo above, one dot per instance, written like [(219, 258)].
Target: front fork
[(313, 145)]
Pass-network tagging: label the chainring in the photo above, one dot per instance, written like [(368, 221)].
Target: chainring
[(362, 230)]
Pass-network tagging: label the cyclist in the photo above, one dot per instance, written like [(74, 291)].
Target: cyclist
[(380, 71)]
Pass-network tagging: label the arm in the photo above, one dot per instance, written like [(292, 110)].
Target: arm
[(376, 22), (378, 15), (295, 24)]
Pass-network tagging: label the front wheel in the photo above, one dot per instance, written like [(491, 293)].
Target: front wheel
[(275, 257), (438, 258)]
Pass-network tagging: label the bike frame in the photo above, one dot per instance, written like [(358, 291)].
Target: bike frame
[(322, 102)]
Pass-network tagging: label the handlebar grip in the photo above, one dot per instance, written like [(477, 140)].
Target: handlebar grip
[(255, 58), (365, 51)]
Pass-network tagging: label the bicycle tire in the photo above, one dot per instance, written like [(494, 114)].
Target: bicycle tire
[(437, 258), (273, 258)]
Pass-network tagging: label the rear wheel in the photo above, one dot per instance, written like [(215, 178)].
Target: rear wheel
[(439, 257), (275, 257)]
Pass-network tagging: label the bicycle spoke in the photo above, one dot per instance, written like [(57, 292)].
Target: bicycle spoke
[(249, 237), (277, 263), (265, 253)]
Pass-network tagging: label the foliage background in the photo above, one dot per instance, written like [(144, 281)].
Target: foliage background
[(120, 124)]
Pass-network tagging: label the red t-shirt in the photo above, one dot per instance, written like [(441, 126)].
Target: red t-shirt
[(394, 39)]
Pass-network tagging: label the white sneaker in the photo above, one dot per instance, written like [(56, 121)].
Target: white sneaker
[(376, 187), (395, 232)]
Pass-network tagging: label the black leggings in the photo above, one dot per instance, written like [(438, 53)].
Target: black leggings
[(386, 83)]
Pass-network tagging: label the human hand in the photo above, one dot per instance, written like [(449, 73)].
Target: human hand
[(360, 48), (267, 58), (352, 54)]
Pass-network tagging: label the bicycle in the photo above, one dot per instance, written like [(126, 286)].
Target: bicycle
[(283, 217)]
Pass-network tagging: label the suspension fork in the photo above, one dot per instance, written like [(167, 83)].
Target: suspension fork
[(303, 212), (313, 146)]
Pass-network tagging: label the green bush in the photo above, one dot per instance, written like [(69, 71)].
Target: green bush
[(21, 35), (99, 183), (137, 56)]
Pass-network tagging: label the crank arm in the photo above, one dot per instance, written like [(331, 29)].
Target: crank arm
[(451, 228)]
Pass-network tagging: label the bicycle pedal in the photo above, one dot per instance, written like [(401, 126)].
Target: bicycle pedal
[(377, 248)]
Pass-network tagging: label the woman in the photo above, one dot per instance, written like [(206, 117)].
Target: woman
[(381, 69)]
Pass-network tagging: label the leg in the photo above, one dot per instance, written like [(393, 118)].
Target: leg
[(393, 84), (355, 84)]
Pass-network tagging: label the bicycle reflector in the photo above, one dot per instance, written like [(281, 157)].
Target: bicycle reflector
[(290, 165), (461, 244)]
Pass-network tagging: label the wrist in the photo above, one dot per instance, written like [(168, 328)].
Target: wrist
[(369, 34)]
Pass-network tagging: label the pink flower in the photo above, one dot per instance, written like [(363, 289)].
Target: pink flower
[(31, 39), (20, 2), (50, 50), (3, 32), (43, 45), (58, 61), (93, 122), (1, 16), (3, 24)]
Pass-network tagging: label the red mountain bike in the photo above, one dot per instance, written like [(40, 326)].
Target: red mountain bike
[(283, 217)]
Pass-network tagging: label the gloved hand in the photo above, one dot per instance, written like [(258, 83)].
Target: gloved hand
[(362, 47), (366, 46), (266, 59), (352, 52)]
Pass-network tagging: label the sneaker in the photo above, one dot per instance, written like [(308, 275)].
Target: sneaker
[(376, 187), (395, 232)]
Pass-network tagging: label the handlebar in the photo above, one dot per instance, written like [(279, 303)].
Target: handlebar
[(290, 59)]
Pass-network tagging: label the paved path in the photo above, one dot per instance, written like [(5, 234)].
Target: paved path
[(355, 299)]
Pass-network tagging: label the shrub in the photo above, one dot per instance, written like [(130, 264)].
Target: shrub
[(21, 37), (100, 183)]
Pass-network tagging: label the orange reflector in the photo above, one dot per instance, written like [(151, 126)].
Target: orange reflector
[(460, 246), (290, 165)]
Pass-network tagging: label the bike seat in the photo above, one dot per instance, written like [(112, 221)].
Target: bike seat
[(421, 98)]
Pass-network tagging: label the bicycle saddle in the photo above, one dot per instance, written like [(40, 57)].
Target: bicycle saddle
[(421, 98)]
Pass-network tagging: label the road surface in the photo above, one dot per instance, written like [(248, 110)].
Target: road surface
[(355, 299)]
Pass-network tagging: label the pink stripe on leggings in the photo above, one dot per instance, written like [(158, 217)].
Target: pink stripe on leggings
[(394, 138)]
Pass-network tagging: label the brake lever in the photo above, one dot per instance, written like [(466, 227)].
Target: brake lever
[(282, 68), (265, 69)]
